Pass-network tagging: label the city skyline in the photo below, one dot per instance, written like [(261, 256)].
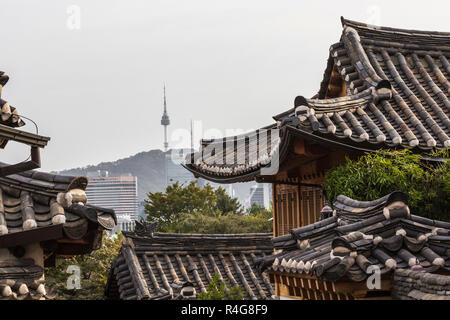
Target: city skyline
[(114, 192), (230, 57)]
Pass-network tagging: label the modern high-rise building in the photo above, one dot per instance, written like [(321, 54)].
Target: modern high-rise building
[(257, 195), (115, 192), (260, 194)]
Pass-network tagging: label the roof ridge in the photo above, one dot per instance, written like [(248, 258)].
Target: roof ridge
[(208, 141), (200, 236), (9, 115), (213, 235), (387, 237), (350, 213), (48, 182), (339, 103), (411, 32), (365, 204), (358, 56)]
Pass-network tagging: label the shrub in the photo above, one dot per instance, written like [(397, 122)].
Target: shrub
[(374, 175), (94, 269), (218, 290), (192, 209), (223, 224)]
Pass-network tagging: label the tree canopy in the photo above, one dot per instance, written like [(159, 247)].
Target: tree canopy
[(192, 209), (374, 175), (94, 269)]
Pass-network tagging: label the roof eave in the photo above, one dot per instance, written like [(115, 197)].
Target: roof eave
[(31, 139)]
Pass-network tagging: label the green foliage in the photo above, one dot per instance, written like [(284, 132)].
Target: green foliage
[(377, 174), (191, 209), (226, 204), (258, 210), (218, 290), (223, 224), (166, 207), (94, 269)]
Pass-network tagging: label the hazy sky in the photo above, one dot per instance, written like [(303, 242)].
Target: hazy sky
[(97, 90)]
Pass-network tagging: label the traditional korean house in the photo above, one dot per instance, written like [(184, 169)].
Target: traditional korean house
[(42, 216), (383, 88), (333, 258), (160, 266)]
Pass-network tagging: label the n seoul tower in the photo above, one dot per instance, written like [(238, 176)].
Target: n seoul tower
[(165, 121)]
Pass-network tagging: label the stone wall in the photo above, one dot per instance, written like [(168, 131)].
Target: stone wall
[(419, 285)]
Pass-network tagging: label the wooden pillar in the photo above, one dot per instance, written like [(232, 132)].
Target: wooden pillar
[(274, 208), (299, 207)]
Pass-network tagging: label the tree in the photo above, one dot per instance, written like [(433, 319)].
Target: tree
[(94, 269), (191, 209), (218, 290), (222, 224), (226, 204), (374, 175), (165, 208), (257, 210)]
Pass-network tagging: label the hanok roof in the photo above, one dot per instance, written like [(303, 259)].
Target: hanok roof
[(396, 86), (410, 108), (239, 158), (419, 285), (10, 119), (361, 234), (8, 115), (155, 266), (37, 206), (48, 210), (22, 280)]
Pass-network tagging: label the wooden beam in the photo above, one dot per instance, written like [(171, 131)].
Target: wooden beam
[(309, 287), (350, 286), (343, 89), (20, 136), (277, 288), (316, 150), (74, 241), (289, 183), (299, 147), (281, 212), (38, 234), (315, 294), (379, 298), (33, 163), (290, 210), (284, 291), (335, 84), (308, 294)]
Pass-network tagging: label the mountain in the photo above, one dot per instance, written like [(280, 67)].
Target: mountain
[(148, 166)]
